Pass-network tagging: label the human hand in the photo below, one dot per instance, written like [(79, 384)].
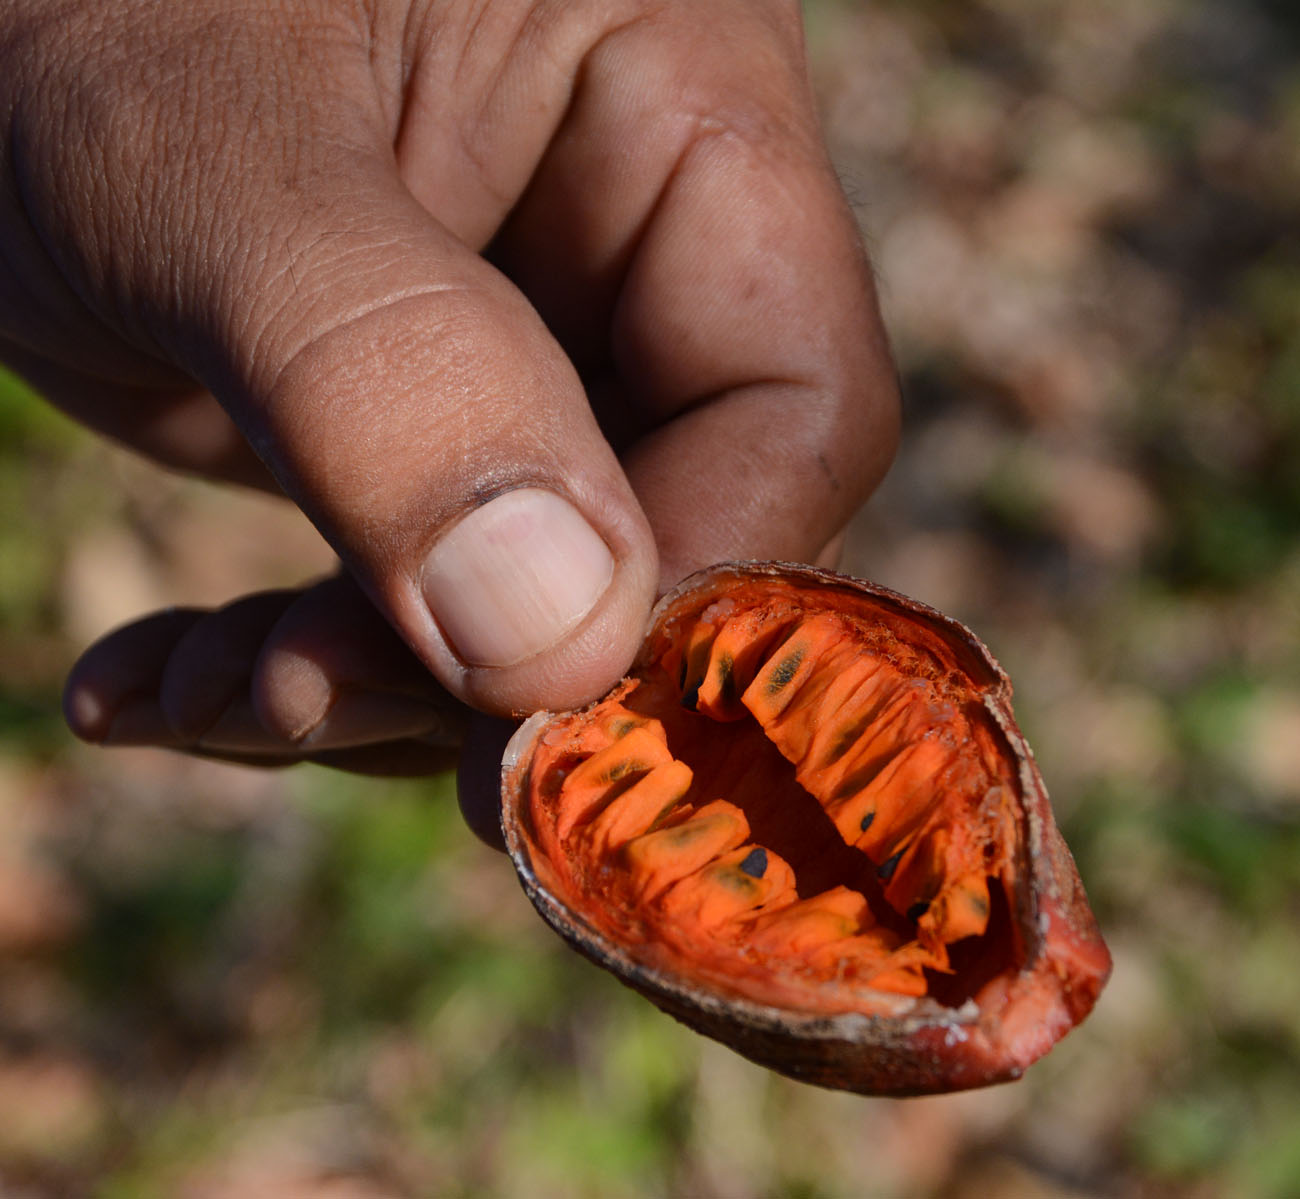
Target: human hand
[(532, 308)]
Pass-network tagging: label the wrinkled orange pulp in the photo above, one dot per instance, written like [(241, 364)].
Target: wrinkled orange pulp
[(812, 809)]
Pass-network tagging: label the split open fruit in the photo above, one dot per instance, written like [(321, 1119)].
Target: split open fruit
[(807, 825)]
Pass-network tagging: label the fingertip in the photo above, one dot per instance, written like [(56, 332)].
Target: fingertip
[(536, 600), (515, 576), (209, 667), (583, 667), (123, 667), (291, 693)]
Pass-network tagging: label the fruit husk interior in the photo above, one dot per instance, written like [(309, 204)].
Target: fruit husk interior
[(807, 825)]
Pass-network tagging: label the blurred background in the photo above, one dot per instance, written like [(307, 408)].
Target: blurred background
[(1085, 217)]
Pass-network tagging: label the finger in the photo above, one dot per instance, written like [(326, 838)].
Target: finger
[(111, 692), (332, 673), (744, 354), (327, 668), (209, 667), (181, 679), (765, 338), (296, 672)]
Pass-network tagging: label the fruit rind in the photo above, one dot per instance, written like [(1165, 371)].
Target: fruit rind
[(907, 1044)]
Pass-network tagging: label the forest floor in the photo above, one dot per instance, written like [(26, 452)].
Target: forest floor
[(1085, 219)]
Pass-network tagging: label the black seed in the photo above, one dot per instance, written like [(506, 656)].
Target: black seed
[(784, 672), (726, 679), (885, 871), (866, 821), (691, 696), (918, 909), (755, 863)]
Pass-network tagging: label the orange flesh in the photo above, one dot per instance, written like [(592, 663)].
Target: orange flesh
[(803, 807)]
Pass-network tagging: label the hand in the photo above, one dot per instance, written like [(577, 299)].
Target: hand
[(533, 308)]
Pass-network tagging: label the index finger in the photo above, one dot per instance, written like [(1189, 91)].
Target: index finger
[(744, 341)]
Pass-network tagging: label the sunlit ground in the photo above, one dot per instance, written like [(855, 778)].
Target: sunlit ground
[(1085, 216)]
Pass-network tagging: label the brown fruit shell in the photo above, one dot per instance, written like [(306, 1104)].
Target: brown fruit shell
[(918, 1045)]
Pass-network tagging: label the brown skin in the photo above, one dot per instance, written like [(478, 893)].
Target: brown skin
[(415, 254)]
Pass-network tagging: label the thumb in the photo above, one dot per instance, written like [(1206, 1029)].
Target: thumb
[(410, 400)]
